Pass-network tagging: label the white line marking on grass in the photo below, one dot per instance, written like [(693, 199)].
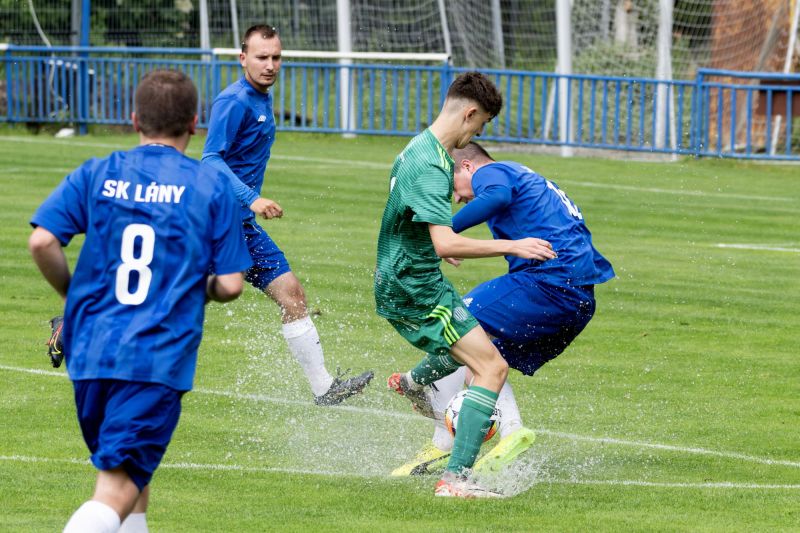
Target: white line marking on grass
[(387, 413), (279, 157), (306, 471), (355, 163), (671, 448), (668, 485), (675, 191), (304, 403), (37, 169), (758, 247), (66, 142)]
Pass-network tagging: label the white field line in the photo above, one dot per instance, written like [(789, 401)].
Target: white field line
[(758, 247), (39, 169), (278, 157), (572, 183), (386, 413), (282, 470), (387, 166)]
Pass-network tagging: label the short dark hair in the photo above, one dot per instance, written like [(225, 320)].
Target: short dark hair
[(478, 88), (266, 32), (472, 151), (165, 103)]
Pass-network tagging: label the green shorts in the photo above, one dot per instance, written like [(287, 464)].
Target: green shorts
[(436, 333)]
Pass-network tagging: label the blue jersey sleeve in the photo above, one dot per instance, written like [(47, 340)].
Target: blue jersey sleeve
[(227, 115), (493, 199), (243, 193), (64, 213), (493, 188), (230, 253)]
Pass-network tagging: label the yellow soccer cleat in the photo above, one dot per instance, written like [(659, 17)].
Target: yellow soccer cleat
[(428, 460), (506, 451)]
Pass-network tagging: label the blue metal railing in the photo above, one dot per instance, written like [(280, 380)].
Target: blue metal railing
[(720, 113)]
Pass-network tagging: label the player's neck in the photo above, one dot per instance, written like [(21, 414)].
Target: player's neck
[(447, 128), (179, 143), (445, 132)]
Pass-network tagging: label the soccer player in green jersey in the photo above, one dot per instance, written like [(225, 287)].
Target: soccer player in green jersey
[(410, 290)]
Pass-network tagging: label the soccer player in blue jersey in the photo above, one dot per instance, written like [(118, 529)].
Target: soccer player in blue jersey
[(240, 136), (156, 222), (535, 310)]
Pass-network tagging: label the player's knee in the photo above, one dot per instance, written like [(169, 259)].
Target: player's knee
[(499, 368), (492, 368)]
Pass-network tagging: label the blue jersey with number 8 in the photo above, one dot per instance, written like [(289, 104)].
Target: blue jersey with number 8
[(156, 222)]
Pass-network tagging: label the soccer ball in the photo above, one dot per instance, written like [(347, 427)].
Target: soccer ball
[(454, 407)]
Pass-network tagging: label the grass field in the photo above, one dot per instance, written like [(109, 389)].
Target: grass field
[(678, 408)]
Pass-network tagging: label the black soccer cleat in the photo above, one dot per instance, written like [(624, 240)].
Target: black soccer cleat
[(340, 389), (55, 346)]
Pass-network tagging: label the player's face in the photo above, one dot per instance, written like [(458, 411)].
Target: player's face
[(462, 182), (475, 118), (262, 61)]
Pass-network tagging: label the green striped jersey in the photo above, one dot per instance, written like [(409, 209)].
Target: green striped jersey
[(408, 282)]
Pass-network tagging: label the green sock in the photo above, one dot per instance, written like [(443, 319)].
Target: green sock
[(473, 423), (434, 367)]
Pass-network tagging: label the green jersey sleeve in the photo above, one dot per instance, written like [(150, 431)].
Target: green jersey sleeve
[(430, 197)]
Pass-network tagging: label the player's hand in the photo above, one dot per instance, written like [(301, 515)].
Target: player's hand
[(266, 208), (55, 346), (533, 248), (452, 260)]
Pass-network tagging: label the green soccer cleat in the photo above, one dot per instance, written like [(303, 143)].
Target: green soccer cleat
[(508, 449), (428, 460)]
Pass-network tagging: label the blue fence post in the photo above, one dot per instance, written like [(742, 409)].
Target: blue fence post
[(445, 81), (697, 117), (83, 82), (9, 80)]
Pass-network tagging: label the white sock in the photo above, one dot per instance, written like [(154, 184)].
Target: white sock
[(93, 517), (510, 418), (442, 438), (446, 388), (303, 340), (135, 523)]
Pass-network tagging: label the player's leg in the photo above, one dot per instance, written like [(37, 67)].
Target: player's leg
[(489, 372), (514, 437), (435, 335), (136, 522), (127, 427), (434, 455), (271, 274)]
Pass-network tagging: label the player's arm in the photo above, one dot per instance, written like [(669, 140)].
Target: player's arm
[(261, 206), (491, 200), (225, 287), (49, 257), (447, 243)]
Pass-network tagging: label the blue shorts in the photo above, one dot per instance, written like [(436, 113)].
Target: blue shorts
[(127, 424), (268, 260), (533, 321)]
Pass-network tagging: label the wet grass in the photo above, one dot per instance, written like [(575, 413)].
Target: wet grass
[(676, 409)]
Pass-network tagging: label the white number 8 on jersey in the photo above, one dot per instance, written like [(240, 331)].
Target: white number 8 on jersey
[(135, 264)]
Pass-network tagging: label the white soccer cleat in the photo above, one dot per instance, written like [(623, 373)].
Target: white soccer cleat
[(453, 486)]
